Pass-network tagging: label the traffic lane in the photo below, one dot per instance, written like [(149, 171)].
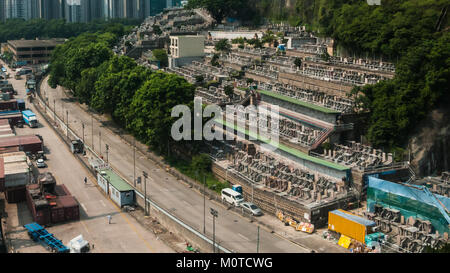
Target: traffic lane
[(176, 204), (125, 235)]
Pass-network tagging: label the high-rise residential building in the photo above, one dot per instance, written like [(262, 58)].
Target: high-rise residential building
[(91, 10), (19, 9), (113, 9), (73, 11), (51, 9)]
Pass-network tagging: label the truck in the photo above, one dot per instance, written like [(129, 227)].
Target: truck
[(79, 245), (21, 104), (77, 146), (30, 84), (29, 118), (350, 225)]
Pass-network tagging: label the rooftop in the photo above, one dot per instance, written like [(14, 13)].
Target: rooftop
[(298, 102), (116, 181), (35, 43), (284, 148)]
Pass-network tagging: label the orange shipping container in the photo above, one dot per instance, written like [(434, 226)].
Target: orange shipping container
[(350, 225)]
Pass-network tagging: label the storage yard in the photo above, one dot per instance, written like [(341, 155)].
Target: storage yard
[(34, 194)]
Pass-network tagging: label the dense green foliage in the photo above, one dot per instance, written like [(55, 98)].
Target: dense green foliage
[(222, 45), (189, 168), (421, 83), (14, 29), (134, 96), (161, 56)]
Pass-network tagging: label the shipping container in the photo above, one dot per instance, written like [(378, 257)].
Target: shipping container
[(16, 174), (7, 103), (47, 182), (38, 206), (56, 212), (2, 175), (71, 208), (350, 225), (30, 143), (15, 195), (61, 190)]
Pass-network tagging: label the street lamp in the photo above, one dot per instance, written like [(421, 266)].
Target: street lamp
[(145, 190), (204, 204), (107, 149), (215, 214), (82, 125), (100, 141)]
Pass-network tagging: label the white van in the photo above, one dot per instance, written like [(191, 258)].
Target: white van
[(232, 197)]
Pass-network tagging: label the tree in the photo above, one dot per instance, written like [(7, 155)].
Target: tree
[(223, 45), (157, 29), (215, 60), (201, 163), (229, 91), (161, 56), (298, 62), (151, 107)]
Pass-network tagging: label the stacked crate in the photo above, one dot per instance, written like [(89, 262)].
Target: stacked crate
[(50, 203), (14, 176)]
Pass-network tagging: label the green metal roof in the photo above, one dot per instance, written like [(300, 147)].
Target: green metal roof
[(116, 181), (298, 102), (287, 149)]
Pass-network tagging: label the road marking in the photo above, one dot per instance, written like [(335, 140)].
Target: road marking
[(101, 201), (242, 236), (132, 226), (184, 201), (86, 228), (84, 207)]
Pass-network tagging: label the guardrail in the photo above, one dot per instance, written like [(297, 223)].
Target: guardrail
[(152, 203)]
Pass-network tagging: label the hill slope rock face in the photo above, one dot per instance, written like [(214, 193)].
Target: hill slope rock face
[(430, 144)]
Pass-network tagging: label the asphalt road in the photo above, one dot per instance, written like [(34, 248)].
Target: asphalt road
[(232, 231), (124, 235)]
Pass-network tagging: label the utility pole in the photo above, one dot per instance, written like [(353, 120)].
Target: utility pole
[(100, 141), (215, 214), (67, 124), (107, 150), (257, 242), (92, 134), (145, 191), (134, 161), (82, 126), (204, 204)]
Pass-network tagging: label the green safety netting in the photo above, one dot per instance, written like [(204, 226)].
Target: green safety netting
[(410, 201)]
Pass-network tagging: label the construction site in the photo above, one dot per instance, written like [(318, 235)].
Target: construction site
[(321, 163)]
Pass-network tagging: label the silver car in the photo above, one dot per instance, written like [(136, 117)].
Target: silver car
[(251, 208), (41, 163)]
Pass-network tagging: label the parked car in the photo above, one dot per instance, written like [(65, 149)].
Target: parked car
[(41, 163), (251, 208)]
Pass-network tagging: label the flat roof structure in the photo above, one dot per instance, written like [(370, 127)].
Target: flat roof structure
[(298, 102), (36, 43), (115, 180), (284, 148)]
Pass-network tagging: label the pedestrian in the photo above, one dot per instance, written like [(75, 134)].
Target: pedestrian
[(85, 180), (109, 219)]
